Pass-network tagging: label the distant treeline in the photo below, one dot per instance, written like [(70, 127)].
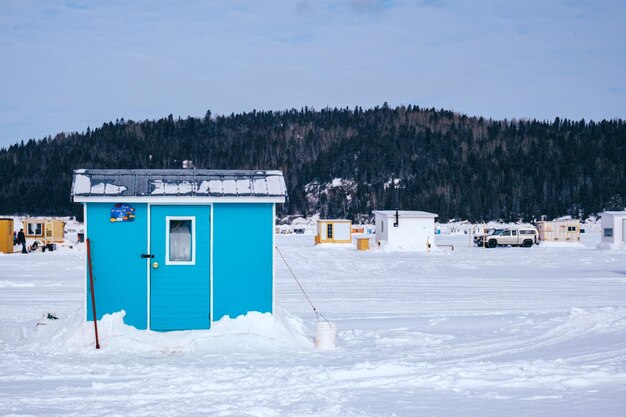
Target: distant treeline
[(387, 158)]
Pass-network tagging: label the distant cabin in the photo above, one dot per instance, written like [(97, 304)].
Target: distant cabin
[(334, 231), (613, 229), (44, 230), (567, 230), (409, 230), (179, 249)]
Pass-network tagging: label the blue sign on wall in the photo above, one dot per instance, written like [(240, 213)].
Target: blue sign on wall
[(122, 213)]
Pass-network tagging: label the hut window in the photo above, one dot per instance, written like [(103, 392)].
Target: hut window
[(181, 240), (571, 228), (34, 229), (608, 232), (329, 231)]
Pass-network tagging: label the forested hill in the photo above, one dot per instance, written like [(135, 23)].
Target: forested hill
[(348, 162)]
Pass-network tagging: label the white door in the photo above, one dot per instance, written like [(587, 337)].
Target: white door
[(505, 238)]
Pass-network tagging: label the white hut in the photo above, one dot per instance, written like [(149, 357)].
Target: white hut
[(333, 231), (613, 229), (408, 230)]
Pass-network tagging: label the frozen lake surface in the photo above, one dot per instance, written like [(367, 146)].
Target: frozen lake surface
[(469, 332)]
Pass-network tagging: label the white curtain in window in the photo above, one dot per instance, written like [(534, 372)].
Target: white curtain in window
[(34, 229), (180, 240)]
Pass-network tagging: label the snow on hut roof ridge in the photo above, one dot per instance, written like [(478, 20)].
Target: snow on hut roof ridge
[(406, 213), (178, 182)]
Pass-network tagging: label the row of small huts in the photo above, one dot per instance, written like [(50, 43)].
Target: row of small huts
[(166, 245), (417, 228)]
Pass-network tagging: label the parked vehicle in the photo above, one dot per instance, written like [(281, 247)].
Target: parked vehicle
[(478, 239), (521, 236)]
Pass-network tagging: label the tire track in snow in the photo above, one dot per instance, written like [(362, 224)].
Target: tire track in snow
[(579, 323)]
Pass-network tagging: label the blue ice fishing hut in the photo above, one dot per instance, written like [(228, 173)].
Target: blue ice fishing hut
[(179, 249)]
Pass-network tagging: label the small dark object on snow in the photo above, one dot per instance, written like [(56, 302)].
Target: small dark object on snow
[(51, 316)]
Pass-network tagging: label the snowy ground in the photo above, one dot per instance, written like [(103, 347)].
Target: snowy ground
[(473, 332)]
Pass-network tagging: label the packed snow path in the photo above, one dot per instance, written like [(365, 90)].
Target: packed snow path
[(474, 332)]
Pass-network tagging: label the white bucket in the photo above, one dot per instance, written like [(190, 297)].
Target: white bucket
[(325, 335)]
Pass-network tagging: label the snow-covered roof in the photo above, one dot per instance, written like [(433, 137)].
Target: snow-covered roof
[(334, 221), (560, 220), (151, 183), (614, 213), (406, 213)]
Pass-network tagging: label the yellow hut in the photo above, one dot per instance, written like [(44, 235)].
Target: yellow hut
[(6, 235), (44, 231), (334, 231), (567, 230)]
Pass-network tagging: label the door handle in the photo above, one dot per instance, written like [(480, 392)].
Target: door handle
[(146, 255)]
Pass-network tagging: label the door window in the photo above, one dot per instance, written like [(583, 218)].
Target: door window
[(181, 242), (329, 231)]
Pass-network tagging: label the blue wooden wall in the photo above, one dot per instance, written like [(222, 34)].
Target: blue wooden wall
[(242, 262), (242, 258)]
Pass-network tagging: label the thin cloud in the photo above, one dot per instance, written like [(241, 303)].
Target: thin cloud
[(67, 65)]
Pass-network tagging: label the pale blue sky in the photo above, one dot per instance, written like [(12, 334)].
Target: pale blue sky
[(67, 65)]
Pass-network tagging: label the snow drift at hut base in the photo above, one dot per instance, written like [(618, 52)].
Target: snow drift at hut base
[(251, 332)]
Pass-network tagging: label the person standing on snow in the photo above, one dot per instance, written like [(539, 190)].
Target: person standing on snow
[(21, 239)]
